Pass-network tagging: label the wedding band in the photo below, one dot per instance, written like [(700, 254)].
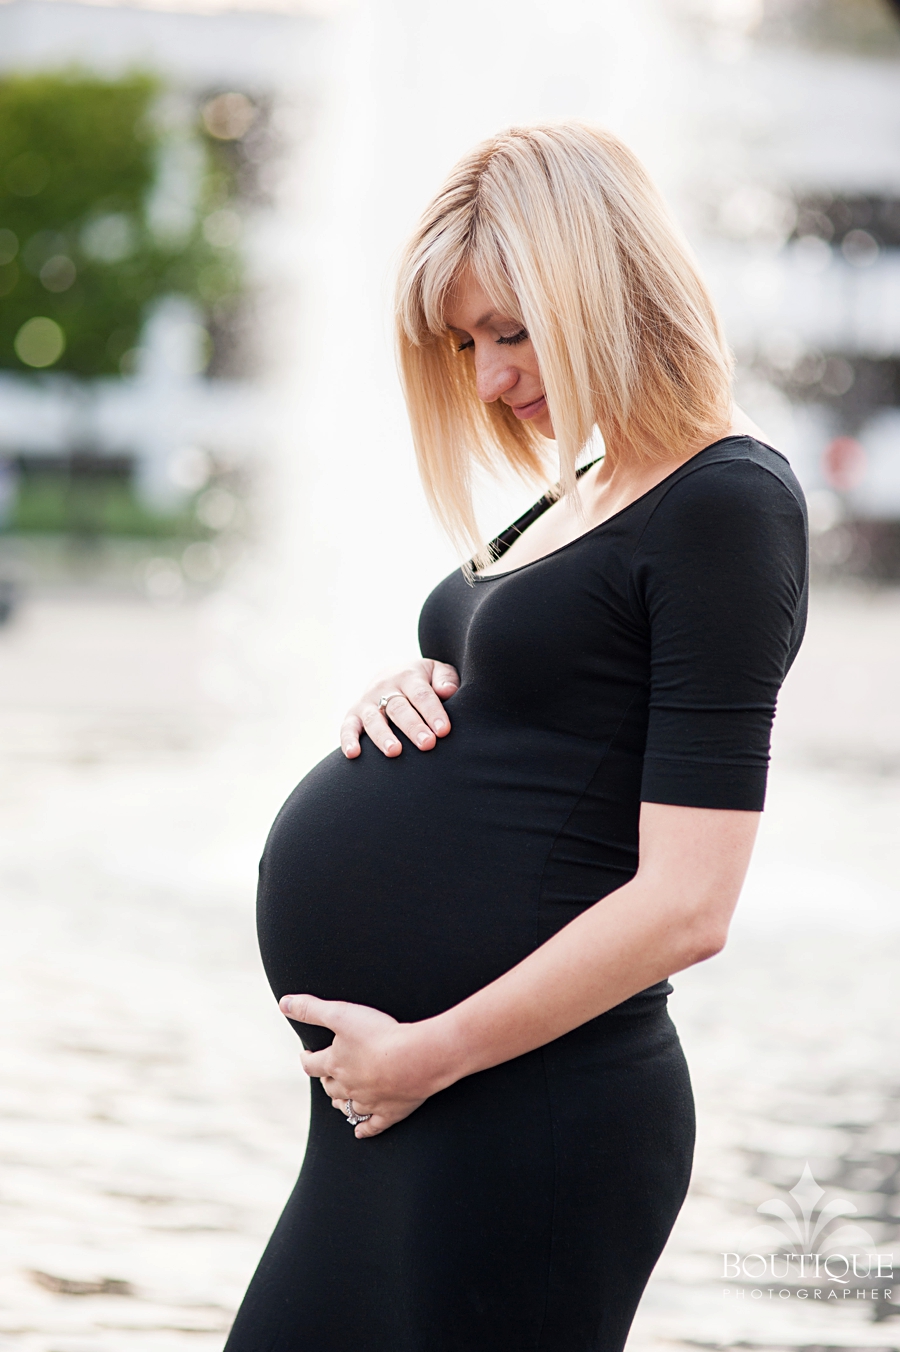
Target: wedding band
[(355, 1118), (385, 700)]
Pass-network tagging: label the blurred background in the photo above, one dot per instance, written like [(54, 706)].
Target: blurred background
[(211, 535)]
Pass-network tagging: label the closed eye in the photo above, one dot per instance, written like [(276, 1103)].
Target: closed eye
[(515, 338)]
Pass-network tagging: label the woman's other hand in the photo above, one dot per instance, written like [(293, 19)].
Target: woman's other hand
[(387, 1068), (416, 709)]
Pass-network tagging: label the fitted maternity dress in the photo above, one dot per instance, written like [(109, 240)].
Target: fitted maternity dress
[(524, 1207)]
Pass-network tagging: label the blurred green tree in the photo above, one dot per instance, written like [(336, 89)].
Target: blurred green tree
[(80, 259)]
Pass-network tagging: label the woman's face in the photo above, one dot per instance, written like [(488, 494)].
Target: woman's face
[(505, 364)]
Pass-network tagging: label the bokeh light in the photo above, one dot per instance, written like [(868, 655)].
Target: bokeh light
[(228, 117), (40, 342)]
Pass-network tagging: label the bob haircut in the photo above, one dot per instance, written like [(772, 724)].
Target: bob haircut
[(563, 228)]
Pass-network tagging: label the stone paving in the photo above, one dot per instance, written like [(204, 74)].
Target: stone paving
[(153, 1109)]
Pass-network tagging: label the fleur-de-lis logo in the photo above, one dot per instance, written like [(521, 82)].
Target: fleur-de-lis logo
[(803, 1227)]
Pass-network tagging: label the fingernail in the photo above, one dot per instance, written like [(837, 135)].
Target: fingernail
[(285, 1004), (392, 746), (439, 724), (423, 738)]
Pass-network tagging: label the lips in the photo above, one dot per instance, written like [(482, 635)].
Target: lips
[(531, 410)]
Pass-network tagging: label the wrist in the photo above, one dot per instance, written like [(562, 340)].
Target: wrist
[(437, 1053)]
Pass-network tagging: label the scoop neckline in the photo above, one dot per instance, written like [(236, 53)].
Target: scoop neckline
[(510, 572)]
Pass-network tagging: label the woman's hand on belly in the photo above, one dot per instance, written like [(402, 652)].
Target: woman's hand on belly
[(416, 709), (387, 1068)]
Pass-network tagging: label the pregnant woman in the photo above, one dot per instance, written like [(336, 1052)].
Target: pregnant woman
[(470, 911)]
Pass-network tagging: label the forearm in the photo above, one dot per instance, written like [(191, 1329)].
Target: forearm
[(624, 943)]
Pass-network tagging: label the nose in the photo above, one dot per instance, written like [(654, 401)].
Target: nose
[(494, 373)]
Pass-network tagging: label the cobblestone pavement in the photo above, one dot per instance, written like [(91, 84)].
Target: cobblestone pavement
[(153, 1110)]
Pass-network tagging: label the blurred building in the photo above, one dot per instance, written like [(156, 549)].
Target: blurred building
[(795, 200)]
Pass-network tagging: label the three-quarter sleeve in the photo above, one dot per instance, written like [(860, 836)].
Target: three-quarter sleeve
[(720, 575)]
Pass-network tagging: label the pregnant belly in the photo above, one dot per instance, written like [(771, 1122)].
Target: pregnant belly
[(404, 884), (408, 884)]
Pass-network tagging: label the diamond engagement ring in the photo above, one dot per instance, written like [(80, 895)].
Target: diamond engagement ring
[(355, 1118), (386, 699)]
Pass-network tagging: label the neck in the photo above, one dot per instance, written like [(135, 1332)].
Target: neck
[(627, 474)]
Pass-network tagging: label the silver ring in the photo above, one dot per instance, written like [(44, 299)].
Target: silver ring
[(355, 1118), (386, 699)]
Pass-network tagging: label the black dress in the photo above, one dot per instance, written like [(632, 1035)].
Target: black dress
[(525, 1206)]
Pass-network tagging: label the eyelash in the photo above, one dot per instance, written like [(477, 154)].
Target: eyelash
[(506, 342)]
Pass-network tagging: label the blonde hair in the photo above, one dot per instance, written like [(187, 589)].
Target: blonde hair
[(562, 227)]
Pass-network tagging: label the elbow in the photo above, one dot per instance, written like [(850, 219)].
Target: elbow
[(706, 920), (708, 938)]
